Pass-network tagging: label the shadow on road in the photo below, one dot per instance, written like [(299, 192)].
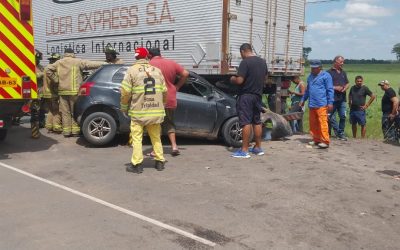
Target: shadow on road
[(122, 140), (19, 140)]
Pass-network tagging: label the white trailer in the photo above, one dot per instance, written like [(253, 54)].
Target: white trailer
[(204, 36)]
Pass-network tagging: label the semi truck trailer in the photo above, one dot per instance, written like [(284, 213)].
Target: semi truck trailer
[(203, 36)]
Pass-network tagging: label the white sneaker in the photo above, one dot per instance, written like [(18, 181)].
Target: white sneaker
[(312, 143), (323, 145)]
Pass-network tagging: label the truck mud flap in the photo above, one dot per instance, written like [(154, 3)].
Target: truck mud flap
[(280, 126)]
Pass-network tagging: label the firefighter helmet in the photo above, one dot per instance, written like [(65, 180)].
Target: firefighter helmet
[(38, 54), (54, 56), (109, 49)]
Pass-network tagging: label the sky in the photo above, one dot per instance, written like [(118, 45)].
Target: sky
[(356, 29)]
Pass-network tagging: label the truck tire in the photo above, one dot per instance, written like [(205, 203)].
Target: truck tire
[(3, 134), (99, 128), (232, 133), (280, 126)]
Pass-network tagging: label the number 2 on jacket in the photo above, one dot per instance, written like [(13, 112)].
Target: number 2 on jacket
[(149, 86)]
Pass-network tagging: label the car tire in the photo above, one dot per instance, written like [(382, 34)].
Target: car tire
[(99, 128), (3, 134), (232, 133)]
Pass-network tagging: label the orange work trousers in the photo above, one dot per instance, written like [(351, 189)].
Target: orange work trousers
[(319, 124)]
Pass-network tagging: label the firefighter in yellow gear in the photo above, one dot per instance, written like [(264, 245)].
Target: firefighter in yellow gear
[(111, 55), (36, 105), (69, 72), (50, 96), (143, 94)]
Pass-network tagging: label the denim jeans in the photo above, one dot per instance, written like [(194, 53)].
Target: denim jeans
[(340, 107)]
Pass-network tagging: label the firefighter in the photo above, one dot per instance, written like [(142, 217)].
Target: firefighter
[(143, 95), (50, 96), (36, 118), (111, 55), (69, 71)]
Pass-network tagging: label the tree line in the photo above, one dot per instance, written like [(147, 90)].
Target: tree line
[(396, 50)]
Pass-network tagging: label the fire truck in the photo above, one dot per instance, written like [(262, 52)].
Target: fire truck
[(18, 83)]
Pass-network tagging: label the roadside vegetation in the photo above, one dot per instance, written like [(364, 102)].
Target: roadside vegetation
[(372, 74)]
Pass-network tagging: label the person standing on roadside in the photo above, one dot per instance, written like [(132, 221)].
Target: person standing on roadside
[(50, 95), (170, 70), (143, 94), (340, 85), (319, 92), (390, 105), (297, 94), (69, 73), (37, 105), (251, 78), (357, 98)]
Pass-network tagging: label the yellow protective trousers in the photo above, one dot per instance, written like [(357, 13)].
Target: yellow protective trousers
[(154, 131), (319, 124), (53, 120), (69, 125)]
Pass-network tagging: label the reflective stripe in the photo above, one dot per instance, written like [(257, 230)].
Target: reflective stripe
[(67, 92), (126, 86), (74, 83), (147, 113), (16, 23), (141, 89)]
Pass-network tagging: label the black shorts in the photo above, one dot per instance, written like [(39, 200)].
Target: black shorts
[(168, 126), (249, 107)]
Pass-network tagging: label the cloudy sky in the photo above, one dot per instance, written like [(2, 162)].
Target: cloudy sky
[(356, 29)]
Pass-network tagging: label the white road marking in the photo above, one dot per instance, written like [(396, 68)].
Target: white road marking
[(118, 208)]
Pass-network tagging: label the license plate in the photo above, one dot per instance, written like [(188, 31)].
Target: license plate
[(8, 82)]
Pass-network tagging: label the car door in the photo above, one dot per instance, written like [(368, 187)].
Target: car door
[(196, 112)]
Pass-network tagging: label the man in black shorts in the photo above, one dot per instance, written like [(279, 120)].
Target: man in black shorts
[(358, 105), (251, 77)]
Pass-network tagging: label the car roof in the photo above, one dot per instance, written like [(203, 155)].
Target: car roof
[(112, 68)]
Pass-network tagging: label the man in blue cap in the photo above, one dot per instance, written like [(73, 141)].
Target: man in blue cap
[(319, 92)]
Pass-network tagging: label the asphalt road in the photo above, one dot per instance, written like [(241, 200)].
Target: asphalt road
[(60, 193)]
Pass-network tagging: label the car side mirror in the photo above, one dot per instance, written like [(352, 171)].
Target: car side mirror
[(210, 96)]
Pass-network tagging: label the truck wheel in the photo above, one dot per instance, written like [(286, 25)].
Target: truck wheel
[(99, 128), (232, 133), (3, 134)]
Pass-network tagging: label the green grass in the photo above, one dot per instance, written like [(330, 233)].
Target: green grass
[(372, 74)]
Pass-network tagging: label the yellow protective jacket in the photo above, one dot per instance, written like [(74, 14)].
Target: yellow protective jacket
[(70, 73), (143, 93), (50, 86), (39, 70)]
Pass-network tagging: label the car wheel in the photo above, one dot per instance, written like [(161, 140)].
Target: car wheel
[(232, 132), (3, 134), (99, 128)]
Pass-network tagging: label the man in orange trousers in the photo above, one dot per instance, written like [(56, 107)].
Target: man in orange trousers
[(319, 93)]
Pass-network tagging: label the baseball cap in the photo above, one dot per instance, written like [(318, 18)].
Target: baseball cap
[(381, 83), (154, 51), (315, 63), (141, 53), (54, 56)]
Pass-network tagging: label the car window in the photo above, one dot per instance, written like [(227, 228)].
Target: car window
[(119, 75), (194, 86)]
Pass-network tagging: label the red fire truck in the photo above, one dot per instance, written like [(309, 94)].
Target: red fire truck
[(18, 83)]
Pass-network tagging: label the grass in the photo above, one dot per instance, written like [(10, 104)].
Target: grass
[(372, 74)]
